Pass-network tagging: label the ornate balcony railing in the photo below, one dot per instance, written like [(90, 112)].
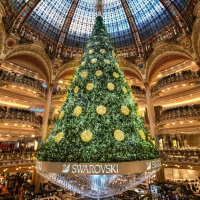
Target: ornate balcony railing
[(173, 80), (184, 156), (17, 158), (16, 115), (59, 95), (21, 82), (180, 114)]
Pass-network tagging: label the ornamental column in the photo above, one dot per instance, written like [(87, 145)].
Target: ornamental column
[(151, 112), (46, 112)]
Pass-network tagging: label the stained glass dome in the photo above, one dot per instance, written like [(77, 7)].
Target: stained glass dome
[(47, 18)]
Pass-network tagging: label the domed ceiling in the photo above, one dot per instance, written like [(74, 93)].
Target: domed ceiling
[(150, 16)]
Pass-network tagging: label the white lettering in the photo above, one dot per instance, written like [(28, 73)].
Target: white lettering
[(94, 169), (73, 168), (107, 169)]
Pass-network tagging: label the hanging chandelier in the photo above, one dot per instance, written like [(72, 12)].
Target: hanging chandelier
[(99, 146)]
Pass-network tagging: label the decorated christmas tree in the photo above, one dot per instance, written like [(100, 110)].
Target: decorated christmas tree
[(99, 121)]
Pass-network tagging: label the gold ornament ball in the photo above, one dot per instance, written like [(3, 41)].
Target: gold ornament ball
[(116, 64), (107, 61), (83, 63), (119, 135), (101, 110), (90, 86), (110, 86), (96, 43), (124, 90), (84, 74), (94, 60), (86, 136), (102, 51), (77, 111), (76, 89), (115, 74), (142, 134), (91, 51), (58, 137), (98, 73), (125, 110), (61, 114)]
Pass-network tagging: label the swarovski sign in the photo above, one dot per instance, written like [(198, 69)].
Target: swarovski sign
[(91, 169), (99, 168)]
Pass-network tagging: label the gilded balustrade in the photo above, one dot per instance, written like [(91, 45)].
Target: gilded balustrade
[(17, 158), (18, 81), (173, 80), (184, 156)]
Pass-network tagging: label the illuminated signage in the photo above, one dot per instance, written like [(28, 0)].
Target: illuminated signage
[(99, 168), (153, 164), (91, 169)]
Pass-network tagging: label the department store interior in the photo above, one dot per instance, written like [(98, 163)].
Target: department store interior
[(157, 44)]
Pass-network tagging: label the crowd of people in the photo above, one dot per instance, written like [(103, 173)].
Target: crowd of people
[(22, 79), (180, 112), (175, 78), (19, 114), (14, 186)]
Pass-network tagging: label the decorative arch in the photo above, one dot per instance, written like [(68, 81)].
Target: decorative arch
[(69, 66), (66, 72), (162, 55), (2, 37), (33, 55), (2, 12), (128, 66), (196, 38)]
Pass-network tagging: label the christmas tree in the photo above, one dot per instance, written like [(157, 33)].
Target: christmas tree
[(98, 122)]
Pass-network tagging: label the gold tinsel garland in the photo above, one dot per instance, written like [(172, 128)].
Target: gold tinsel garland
[(77, 111), (61, 114), (84, 74), (101, 110), (119, 135), (142, 134), (58, 137), (98, 73), (76, 89), (110, 86), (94, 60), (107, 61), (89, 86), (115, 74), (86, 136), (125, 110), (102, 51)]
